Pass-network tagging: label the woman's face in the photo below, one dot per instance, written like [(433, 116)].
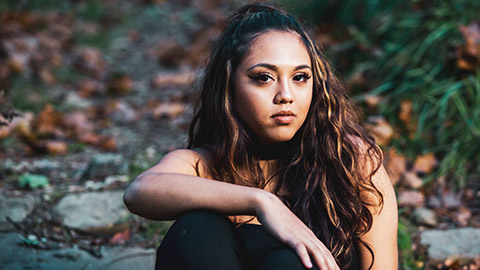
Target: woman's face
[(273, 86)]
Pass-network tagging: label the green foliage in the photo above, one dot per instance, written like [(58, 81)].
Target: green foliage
[(406, 50), (30, 95), (407, 260), (33, 181)]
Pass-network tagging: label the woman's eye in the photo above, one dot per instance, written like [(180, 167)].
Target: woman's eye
[(263, 78), (302, 77)]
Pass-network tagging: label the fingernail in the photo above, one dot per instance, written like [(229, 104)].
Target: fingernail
[(309, 265)]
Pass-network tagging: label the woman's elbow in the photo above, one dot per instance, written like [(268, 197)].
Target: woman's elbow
[(131, 196)]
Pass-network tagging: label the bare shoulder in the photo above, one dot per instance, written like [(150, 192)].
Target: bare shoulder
[(382, 236), (183, 161)]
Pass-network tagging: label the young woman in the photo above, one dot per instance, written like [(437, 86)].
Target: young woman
[(279, 173)]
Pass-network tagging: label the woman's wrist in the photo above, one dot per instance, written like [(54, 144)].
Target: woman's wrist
[(262, 199)]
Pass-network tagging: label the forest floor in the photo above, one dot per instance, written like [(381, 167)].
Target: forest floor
[(104, 90)]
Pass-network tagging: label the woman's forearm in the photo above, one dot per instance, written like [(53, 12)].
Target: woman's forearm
[(164, 196)]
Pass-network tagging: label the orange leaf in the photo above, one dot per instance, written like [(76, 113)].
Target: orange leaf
[(56, 147), (121, 237), (49, 122), (425, 163)]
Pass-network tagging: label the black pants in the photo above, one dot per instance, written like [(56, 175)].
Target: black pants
[(207, 240)]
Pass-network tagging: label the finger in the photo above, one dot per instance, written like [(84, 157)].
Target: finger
[(322, 255), (319, 258), (303, 254)]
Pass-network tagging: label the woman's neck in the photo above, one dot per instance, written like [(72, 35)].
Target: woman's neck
[(267, 152)]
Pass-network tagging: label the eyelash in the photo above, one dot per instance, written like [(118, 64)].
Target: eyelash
[(263, 77)]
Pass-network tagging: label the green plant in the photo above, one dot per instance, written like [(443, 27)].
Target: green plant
[(407, 51)]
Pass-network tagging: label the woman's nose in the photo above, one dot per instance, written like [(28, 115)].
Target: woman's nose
[(283, 94)]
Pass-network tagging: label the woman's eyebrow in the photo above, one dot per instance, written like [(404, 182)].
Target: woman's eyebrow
[(275, 68)]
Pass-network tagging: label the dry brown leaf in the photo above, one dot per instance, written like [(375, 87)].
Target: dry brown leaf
[(373, 101), (119, 84), (411, 179), (168, 110), (16, 63), (411, 198), (78, 123), (173, 79), (88, 88), (425, 163), (381, 129), (463, 215), (90, 61), (121, 237), (469, 53), (50, 122), (56, 147), (108, 144), (47, 76), (169, 52), (395, 164), (89, 138)]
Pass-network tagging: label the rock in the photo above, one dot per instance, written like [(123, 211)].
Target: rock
[(411, 198), (410, 179), (98, 212), (113, 258), (424, 216), (74, 101), (464, 243), (102, 165), (15, 208)]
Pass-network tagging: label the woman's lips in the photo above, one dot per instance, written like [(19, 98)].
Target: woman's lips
[(284, 117)]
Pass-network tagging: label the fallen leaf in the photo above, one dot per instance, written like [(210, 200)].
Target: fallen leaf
[(47, 76), (381, 129), (425, 163), (411, 179), (88, 88), (33, 180), (108, 144), (411, 198), (90, 61), (451, 200), (463, 215), (56, 147), (373, 101), (469, 54), (173, 79), (49, 122), (395, 164), (168, 110), (169, 52), (119, 84), (120, 238)]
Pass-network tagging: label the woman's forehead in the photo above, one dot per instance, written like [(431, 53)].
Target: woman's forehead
[(278, 48)]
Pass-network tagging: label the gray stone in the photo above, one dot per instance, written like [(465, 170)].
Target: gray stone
[(464, 243), (102, 165), (16, 208), (117, 257), (424, 216), (101, 212)]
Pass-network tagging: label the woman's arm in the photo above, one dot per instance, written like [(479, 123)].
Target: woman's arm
[(382, 237), (171, 187)]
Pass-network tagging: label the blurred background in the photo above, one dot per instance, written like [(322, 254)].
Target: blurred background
[(94, 92)]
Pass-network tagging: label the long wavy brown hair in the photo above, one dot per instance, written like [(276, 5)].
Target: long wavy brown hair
[(332, 156)]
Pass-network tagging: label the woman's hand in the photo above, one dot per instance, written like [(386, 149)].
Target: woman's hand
[(289, 229)]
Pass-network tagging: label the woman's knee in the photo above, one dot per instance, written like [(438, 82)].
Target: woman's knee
[(283, 258), (199, 239)]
